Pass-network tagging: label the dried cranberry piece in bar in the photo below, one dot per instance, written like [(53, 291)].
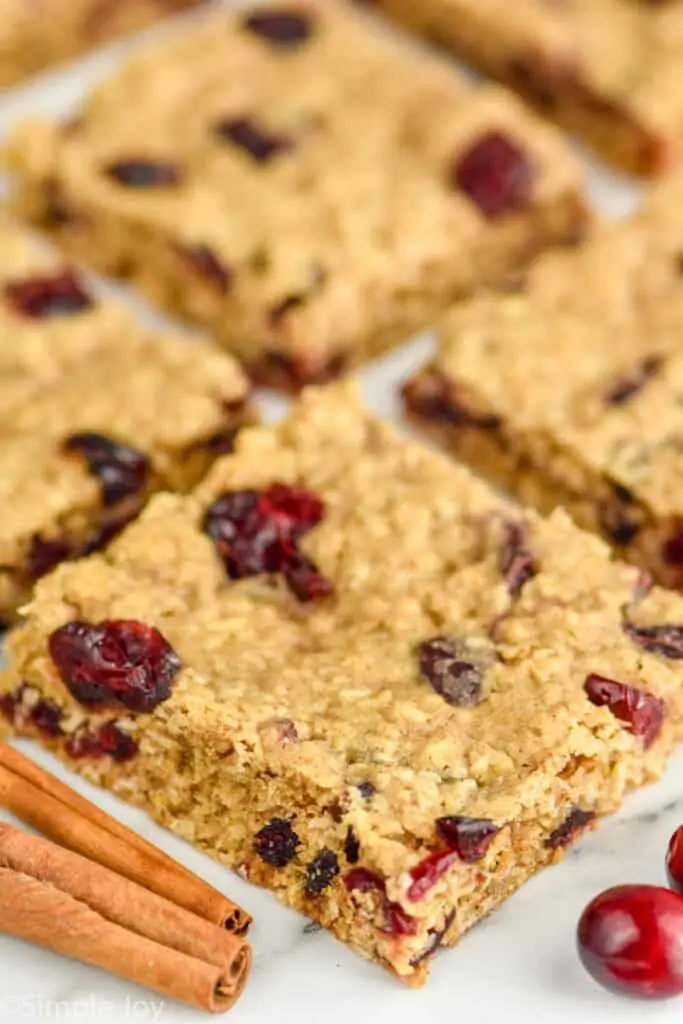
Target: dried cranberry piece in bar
[(517, 562), (247, 135), (573, 825), (665, 640), (205, 264), (141, 173), (396, 920), (108, 740), (44, 555), (631, 383), (453, 668), (114, 662), (47, 295), (351, 846), (277, 842), (283, 27), (642, 712), (469, 837), (121, 470), (321, 872), (429, 871), (495, 174)]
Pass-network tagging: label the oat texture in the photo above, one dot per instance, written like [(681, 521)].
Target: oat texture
[(72, 363), (608, 69), (34, 36), (292, 199), (569, 392), (303, 742)]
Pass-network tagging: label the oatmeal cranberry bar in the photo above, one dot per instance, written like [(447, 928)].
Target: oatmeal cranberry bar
[(612, 70), (254, 177), (33, 38), (96, 412), (571, 391), (348, 669)]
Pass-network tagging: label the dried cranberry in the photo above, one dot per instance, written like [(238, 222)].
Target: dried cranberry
[(44, 555), (672, 549), (351, 846), (206, 264), (115, 662), (47, 295), (107, 741), (469, 837), (630, 384), (121, 470), (433, 397), (366, 790), (143, 173), (246, 134), (453, 669), (427, 873), (320, 872), (517, 562), (284, 27), (575, 822), (282, 370), (277, 842), (674, 860), (630, 940), (257, 532), (103, 534), (496, 175), (47, 717), (436, 939), (396, 921), (640, 710), (666, 640)]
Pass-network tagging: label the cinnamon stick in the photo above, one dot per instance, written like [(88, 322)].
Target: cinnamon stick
[(41, 913), (42, 801)]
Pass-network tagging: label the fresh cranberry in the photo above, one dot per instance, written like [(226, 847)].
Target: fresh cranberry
[(630, 940), (674, 860), (246, 134), (277, 842), (205, 264), (143, 173), (283, 27), (121, 470), (452, 670), (427, 873), (517, 562), (107, 741), (573, 825), (320, 872), (396, 921), (631, 383), (664, 640), (257, 532), (44, 555), (47, 295), (469, 837), (496, 175), (640, 710), (115, 662)]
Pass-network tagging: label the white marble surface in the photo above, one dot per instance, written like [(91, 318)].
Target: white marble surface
[(518, 966)]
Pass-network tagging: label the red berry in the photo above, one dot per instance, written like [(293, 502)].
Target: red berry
[(641, 711), (630, 940), (674, 860), (496, 174)]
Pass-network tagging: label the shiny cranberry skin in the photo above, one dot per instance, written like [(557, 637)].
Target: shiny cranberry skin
[(122, 470), (427, 873), (674, 860), (48, 295), (630, 940), (119, 662), (495, 174), (641, 711), (469, 837)]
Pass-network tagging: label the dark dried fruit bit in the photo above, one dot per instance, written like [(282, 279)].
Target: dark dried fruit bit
[(642, 712), (8, 704), (105, 533), (469, 837), (454, 668), (143, 173), (44, 555), (396, 921), (320, 872), (114, 662), (666, 640), (245, 133), (672, 548), (351, 846), (44, 714), (436, 939), (286, 28), (366, 790), (616, 523), (109, 740), (121, 470), (573, 825), (257, 532), (47, 295), (427, 873), (206, 264), (280, 310), (496, 175), (277, 842), (432, 397), (47, 717), (517, 562), (630, 384)]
